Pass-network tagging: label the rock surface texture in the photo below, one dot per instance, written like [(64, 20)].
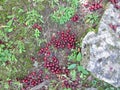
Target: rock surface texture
[(101, 51)]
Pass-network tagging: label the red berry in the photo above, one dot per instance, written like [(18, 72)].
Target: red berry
[(117, 6), (1, 42), (46, 77), (86, 5), (45, 58), (75, 18), (32, 58), (35, 25), (33, 73), (39, 28), (46, 48)]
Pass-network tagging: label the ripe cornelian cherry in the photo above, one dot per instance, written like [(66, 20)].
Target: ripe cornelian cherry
[(37, 26), (75, 18)]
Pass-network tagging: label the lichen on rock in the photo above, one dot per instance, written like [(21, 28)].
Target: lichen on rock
[(103, 48)]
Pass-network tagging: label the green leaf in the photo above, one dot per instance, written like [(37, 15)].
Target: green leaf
[(71, 57), (6, 86), (10, 30), (85, 71), (20, 10), (81, 69), (79, 57), (62, 15), (21, 47), (72, 66), (88, 20), (10, 23), (13, 58), (82, 75), (73, 74), (37, 33), (10, 16)]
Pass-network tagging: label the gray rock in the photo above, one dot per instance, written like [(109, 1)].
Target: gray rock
[(101, 51)]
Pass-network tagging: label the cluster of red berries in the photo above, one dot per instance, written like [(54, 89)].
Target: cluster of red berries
[(54, 67), (72, 84), (95, 6), (64, 39), (51, 62), (75, 18), (37, 26), (44, 51), (33, 79)]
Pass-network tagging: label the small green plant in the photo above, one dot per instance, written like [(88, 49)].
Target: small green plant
[(37, 33), (6, 55), (76, 67), (75, 55), (20, 46), (9, 27), (82, 69), (92, 18), (62, 15), (32, 17), (3, 35), (73, 74), (74, 3), (53, 3)]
